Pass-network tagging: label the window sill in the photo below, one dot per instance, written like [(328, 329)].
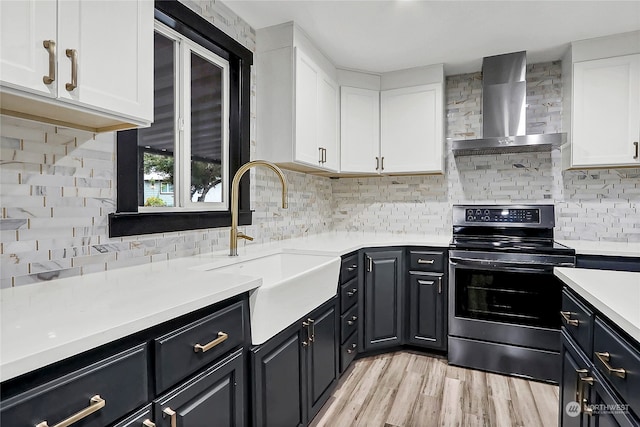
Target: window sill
[(135, 223)]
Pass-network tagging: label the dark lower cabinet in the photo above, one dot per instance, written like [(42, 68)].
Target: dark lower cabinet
[(383, 296), (213, 397), (427, 315), (295, 372), (573, 389)]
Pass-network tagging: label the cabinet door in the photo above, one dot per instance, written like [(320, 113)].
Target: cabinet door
[(322, 357), (606, 112), (214, 397), (114, 45), (359, 130), (426, 310), (328, 122), (383, 299), (306, 110), (279, 380), (411, 136), (24, 60), (573, 368)]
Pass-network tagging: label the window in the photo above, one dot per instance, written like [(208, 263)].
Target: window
[(175, 174)]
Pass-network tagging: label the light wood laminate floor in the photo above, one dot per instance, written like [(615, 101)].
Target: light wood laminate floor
[(410, 389)]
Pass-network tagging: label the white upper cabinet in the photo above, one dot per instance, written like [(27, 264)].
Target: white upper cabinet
[(411, 136), (606, 112), (85, 64), (601, 102), (360, 130), (297, 102)]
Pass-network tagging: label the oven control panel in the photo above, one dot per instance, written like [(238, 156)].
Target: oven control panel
[(518, 216)]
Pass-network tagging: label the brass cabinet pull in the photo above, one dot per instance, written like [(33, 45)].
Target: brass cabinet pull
[(95, 404), (377, 163), (439, 285), (426, 261), (324, 155), (73, 54), (222, 337), (352, 292), (566, 315), (148, 423), (581, 382), (352, 320), (604, 357), (50, 45), (353, 267), (635, 143), (382, 163), (370, 263), (312, 325), (171, 413), (319, 154), (305, 325), (352, 349), (426, 282)]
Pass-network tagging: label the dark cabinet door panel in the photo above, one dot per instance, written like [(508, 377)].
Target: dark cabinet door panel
[(383, 299), (348, 294), (574, 367), (426, 309), (279, 390), (577, 319), (214, 397), (113, 387), (323, 357), (144, 415)]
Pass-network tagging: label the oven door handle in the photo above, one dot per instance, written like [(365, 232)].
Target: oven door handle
[(505, 265)]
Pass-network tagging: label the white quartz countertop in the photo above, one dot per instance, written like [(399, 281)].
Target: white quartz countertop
[(615, 293), (587, 247), (50, 321)]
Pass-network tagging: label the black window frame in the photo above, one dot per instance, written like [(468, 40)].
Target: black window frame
[(127, 221)]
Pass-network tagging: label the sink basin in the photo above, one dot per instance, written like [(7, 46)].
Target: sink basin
[(293, 284)]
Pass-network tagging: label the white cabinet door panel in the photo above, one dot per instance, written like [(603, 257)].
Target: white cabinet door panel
[(606, 112), (411, 129), (306, 110), (114, 42), (360, 130), (328, 137), (24, 61)]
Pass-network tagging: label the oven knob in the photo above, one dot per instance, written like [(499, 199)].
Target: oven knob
[(470, 218), (478, 212), (486, 211), (486, 218)]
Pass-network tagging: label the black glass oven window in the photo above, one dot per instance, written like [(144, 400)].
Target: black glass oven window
[(517, 298)]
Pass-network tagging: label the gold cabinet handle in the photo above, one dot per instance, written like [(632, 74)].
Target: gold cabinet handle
[(319, 154), (566, 315), (377, 163), (426, 282), (635, 156), (305, 325), (426, 261), (604, 357), (352, 292), (148, 423), (382, 163), (352, 349), (352, 320), (582, 380), (172, 414), (95, 404), (370, 263), (222, 337), (312, 325), (50, 45), (353, 267), (73, 54)]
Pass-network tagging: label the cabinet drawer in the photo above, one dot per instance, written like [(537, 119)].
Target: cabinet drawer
[(348, 294), (577, 320), (619, 363), (348, 351), (180, 353), (349, 268), (106, 391), (426, 261), (142, 418), (214, 397), (348, 323)]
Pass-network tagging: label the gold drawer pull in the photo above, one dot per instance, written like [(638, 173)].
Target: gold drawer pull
[(50, 45), (426, 261), (352, 292), (566, 315), (95, 404), (353, 267), (171, 413), (352, 320), (604, 358), (73, 55), (222, 337), (148, 423), (352, 349)]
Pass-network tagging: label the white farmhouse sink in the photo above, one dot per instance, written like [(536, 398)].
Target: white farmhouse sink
[(293, 284)]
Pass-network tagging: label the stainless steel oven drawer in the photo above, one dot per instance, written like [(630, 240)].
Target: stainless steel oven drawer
[(577, 319), (426, 261), (618, 361)]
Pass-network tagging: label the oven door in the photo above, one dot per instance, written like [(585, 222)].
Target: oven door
[(504, 298)]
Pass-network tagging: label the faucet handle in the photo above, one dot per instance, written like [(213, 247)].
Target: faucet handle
[(241, 235)]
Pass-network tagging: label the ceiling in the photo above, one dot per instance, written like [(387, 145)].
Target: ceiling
[(382, 36)]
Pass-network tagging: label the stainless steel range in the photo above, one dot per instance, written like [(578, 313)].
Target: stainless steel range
[(504, 300)]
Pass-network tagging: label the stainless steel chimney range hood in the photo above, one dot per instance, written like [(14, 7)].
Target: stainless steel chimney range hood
[(504, 111)]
